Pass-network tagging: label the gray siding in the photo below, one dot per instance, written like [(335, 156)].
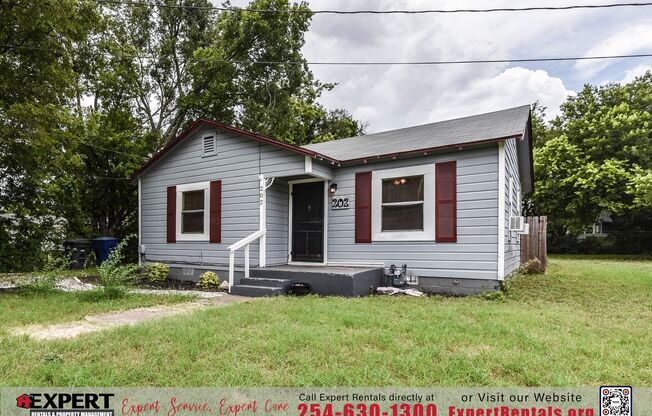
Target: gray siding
[(512, 239), (238, 163), (277, 223), (474, 255), (322, 170)]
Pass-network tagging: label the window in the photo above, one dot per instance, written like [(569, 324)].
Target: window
[(403, 204), (209, 145), (193, 212)]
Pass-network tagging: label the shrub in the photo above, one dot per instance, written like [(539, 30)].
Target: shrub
[(497, 295), (209, 280), (157, 272), (45, 281), (26, 240), (532, 266), (113, 275), (40, 285)]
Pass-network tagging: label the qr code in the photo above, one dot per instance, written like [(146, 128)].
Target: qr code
[(616, 401)]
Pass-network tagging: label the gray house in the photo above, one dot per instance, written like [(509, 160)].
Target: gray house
[(442, 198)]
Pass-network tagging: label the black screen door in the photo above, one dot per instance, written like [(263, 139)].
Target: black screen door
[(308, 222)]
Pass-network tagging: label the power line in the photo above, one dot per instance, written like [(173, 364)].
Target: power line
[(395, 11), (467, 61), (386, 63), (111, 150), (88, 176)]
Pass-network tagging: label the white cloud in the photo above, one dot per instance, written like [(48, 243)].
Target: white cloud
[(637, 71), (627, 41), (512, 87)]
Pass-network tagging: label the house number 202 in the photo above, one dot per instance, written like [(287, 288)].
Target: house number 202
[(340, 202)]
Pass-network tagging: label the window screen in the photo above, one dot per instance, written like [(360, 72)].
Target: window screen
[(402, 203), (192, 212)]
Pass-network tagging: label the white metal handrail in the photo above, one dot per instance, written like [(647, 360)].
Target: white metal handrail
[(238, 245)]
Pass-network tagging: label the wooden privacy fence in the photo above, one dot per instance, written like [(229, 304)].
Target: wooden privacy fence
[(533, 244)]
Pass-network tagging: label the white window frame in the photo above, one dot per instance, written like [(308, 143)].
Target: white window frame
[(205, 186), (203, 137), (428, 233)]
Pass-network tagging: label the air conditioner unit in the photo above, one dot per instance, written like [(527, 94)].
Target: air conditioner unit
[(516, 223), (525, 230)]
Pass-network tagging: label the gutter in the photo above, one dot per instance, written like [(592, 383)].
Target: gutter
[(427, 151)]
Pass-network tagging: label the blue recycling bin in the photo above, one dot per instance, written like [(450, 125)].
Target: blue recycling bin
[(102, 247)]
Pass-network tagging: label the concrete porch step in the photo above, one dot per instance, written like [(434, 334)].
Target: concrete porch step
[(326, 280), (264, 281), (256, 291)]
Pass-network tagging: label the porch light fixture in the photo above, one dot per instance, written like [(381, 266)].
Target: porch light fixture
[(333, 188)]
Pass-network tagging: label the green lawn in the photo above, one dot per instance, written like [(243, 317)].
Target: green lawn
[(586, 322), (25, 308)]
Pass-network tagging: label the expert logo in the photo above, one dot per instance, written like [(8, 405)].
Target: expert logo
[(76, 404), (24, 401)]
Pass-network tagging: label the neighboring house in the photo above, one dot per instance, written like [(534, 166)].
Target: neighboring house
[(439, 198), (601, 228)]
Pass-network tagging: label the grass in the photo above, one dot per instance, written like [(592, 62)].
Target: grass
[(26, 307), (24, 278), (586, 322)]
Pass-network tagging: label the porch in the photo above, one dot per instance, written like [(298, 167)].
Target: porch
[(323, 280), (291, 240)]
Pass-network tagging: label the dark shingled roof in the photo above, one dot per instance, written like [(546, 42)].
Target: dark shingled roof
[(466, 130)]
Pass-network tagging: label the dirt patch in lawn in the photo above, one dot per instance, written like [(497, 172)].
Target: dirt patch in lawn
[(95, 323)]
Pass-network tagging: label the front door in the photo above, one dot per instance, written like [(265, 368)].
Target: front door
[(308, 222)]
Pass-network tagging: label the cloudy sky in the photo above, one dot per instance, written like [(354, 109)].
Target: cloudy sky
[(391, 97)]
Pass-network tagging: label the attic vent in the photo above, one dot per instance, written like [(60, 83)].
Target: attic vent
[(209, 146)]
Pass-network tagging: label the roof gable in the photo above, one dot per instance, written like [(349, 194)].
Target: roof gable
[(186, 134)]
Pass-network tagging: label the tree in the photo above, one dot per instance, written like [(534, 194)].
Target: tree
[(159, 68), (88, 91), (541, 131), (37, 81), (235, 81), (596, 156)]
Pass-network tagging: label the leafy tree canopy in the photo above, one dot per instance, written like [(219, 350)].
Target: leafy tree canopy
[(596, 156), (89, 90)]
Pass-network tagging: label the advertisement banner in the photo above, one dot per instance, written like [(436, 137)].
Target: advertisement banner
[(584, 401)]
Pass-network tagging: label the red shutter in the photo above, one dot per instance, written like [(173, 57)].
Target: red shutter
[(446, 202), (216, 212), (363, 207), (172, 214)]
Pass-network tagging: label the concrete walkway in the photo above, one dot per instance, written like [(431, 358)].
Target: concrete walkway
[(95, 323)]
